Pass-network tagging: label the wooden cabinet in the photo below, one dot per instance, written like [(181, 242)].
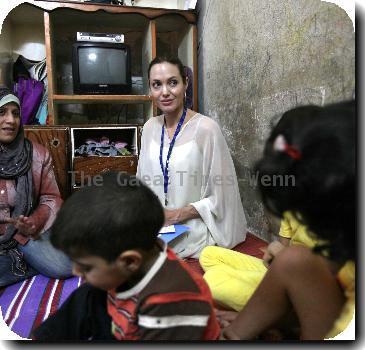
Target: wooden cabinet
[(91, 162), (86, 167), (72, 170), (148, 32), (57, 140)]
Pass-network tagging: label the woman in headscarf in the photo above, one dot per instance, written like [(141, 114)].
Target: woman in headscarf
[(29, 201)]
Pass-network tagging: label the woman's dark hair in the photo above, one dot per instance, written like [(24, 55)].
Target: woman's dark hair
[(172, 60), (113, 215), (318, 187)]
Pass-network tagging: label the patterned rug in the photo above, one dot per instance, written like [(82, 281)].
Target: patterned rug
[(25, 305)]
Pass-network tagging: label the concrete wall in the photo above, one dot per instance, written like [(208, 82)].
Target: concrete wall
[(258, 58)]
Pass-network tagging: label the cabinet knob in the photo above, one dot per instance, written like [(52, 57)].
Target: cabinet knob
[(55, 142)]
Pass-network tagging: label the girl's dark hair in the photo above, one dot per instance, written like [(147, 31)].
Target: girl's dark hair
[(172, 60), (319, 187), (113, 215)]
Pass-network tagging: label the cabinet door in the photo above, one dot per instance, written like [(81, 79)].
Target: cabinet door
[(84, 168), (56, 140)]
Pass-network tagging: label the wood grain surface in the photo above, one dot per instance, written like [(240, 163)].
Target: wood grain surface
[(57, 141)]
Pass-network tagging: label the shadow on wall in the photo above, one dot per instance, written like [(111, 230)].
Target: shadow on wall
[(259, 58)]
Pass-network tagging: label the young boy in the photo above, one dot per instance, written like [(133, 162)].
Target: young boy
[(137, 289)]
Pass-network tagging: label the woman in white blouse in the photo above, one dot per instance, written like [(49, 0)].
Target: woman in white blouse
[(185, 160)]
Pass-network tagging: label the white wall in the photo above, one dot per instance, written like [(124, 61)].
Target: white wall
[(17, 38), (7, 6), (5, 39), (5, 54), (29, 43)]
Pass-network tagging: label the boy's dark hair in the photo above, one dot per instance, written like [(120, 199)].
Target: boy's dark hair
[(120, 214), (322, 190), (172, 60)]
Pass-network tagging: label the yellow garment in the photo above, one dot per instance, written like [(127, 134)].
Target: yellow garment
[(233, 277), (346, 278), (295, 231)]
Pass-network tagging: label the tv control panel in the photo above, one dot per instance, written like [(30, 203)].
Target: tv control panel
[(100, 37)]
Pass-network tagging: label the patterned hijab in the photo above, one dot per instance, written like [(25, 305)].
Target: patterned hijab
[(15, 163)]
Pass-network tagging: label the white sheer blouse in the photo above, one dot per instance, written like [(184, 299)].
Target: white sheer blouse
[(201, 173)]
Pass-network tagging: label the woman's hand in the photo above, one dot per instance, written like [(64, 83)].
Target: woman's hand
[(176, 216), (25, 225), (172, 216), (271, 251)]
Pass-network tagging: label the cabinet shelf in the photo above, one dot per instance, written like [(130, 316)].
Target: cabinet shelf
[(71, 99), (148, 12), (51, 28)]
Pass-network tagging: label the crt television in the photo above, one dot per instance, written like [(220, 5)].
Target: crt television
[(101, 68)]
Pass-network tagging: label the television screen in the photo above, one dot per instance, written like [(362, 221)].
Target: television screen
[(101, 68), (99, 65)]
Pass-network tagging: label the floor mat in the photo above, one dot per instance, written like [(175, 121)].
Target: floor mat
[(25, 305)]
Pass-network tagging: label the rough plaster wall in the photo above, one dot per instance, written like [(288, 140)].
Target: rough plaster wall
[(257, 59)]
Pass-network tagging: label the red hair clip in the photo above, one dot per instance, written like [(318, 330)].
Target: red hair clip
[(281, 145), (292, 152)]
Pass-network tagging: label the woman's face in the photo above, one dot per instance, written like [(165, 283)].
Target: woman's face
[(167, 87), (9, 122)]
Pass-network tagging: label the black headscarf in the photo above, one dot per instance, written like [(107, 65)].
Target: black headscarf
[(16, 164)]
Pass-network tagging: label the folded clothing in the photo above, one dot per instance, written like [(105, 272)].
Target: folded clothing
[(102, 147)]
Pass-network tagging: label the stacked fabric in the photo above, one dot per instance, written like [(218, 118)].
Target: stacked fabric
[(102, 148)]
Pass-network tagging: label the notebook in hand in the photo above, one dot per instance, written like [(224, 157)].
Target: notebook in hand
[(171, 232)]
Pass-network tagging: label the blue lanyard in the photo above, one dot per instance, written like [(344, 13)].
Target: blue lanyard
[(165, 170)]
